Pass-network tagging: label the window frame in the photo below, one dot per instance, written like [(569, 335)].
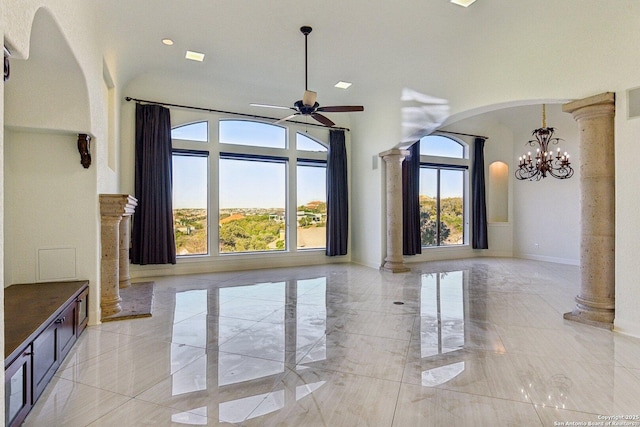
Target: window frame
[(440, 163), (217, 150)]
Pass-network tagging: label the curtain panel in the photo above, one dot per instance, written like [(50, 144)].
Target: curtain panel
[(411, 242), (152, 236), (479, 238), (337, 195)]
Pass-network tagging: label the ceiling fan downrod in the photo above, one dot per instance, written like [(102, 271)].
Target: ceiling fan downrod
[(305, 30)]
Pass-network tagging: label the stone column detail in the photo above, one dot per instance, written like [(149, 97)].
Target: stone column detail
[(394, 261), (113, 208), (595, 304), (124, 239)]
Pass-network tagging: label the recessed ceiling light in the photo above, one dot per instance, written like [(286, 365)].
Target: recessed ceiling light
[(342, 85), (464, 3), (194, 56), (168, 42)]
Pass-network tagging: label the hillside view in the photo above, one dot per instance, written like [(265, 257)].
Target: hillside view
[(249, 229), (451, 221)]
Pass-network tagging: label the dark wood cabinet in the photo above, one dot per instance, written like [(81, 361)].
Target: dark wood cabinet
[(17, 388), (42, 322), (82, 316)]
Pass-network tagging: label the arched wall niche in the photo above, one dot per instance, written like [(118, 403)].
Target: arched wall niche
[(48, 91), (498, 192)]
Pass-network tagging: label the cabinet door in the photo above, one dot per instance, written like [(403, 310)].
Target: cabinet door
[(45, 359), (83, 311), (17, 389), (66, 330)]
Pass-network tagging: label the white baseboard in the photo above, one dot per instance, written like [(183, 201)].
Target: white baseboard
[(238, 262), (626, 327), (556, 260)]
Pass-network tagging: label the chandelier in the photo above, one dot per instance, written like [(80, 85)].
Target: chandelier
[(545, 160)]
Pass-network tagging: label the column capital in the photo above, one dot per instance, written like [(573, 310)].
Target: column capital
[(394, 153), (593, 106), (117, 204)]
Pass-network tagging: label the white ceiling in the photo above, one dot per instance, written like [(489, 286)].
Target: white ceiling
[(432, 46)]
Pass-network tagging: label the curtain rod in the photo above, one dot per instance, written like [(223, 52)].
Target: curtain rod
[(463, 134), (211, 110)]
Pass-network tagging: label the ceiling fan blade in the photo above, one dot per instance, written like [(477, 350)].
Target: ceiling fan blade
[(284, 119), (271, 106), (309, 97), (322, 119), (341, 108)]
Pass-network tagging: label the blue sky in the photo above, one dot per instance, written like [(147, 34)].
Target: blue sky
[(243, 183)]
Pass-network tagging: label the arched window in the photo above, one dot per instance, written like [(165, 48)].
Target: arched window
[(441, 146), (198, 131), (250, 190), (254, 134), (443, 186)]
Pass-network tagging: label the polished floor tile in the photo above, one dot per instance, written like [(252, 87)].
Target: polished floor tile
[(474, 342)]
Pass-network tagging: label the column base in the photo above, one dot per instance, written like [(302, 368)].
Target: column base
[(394, 267), (111, 309), (597, 319), (125, 283)]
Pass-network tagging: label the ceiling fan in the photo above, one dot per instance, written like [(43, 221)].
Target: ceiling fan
[(308, 106)]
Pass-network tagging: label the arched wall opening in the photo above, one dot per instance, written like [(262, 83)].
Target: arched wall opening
[(50, 198)]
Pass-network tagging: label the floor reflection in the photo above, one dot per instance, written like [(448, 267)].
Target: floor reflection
[(442, 323), (256, 329), (478, 341)]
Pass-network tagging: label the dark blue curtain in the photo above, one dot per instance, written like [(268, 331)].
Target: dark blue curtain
[(479, 213), (152, 238), (411, 241), (337, 195)]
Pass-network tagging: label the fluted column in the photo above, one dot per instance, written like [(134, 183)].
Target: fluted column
[(595, 305), (394, 261), (113, 207)]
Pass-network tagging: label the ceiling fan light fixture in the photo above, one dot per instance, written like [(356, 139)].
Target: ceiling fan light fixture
[(342, 85), (194, 56), (309, 97), (465, 3)]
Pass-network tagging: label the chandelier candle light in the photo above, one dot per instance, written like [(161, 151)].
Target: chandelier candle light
[(544, 162)]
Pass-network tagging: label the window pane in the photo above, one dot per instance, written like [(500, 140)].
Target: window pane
[(312, 206), (441, 146), (191, 132), (428, 206), (252, 205), (451, 214), (190, 189), (256, 134), (304, 143)]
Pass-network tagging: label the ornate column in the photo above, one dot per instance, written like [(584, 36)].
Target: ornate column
[(113, 207), (394, 261), (124, 239), (595, 305)]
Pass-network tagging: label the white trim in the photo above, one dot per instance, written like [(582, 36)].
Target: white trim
[(625, 327), (236, 262), (556, 260)]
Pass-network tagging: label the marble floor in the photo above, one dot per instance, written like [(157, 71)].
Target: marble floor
[(477, 342)]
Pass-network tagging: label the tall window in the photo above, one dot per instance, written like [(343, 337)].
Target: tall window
[(311, 195), (260, 179), (443, 183), (252, 204), (190, 196)]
